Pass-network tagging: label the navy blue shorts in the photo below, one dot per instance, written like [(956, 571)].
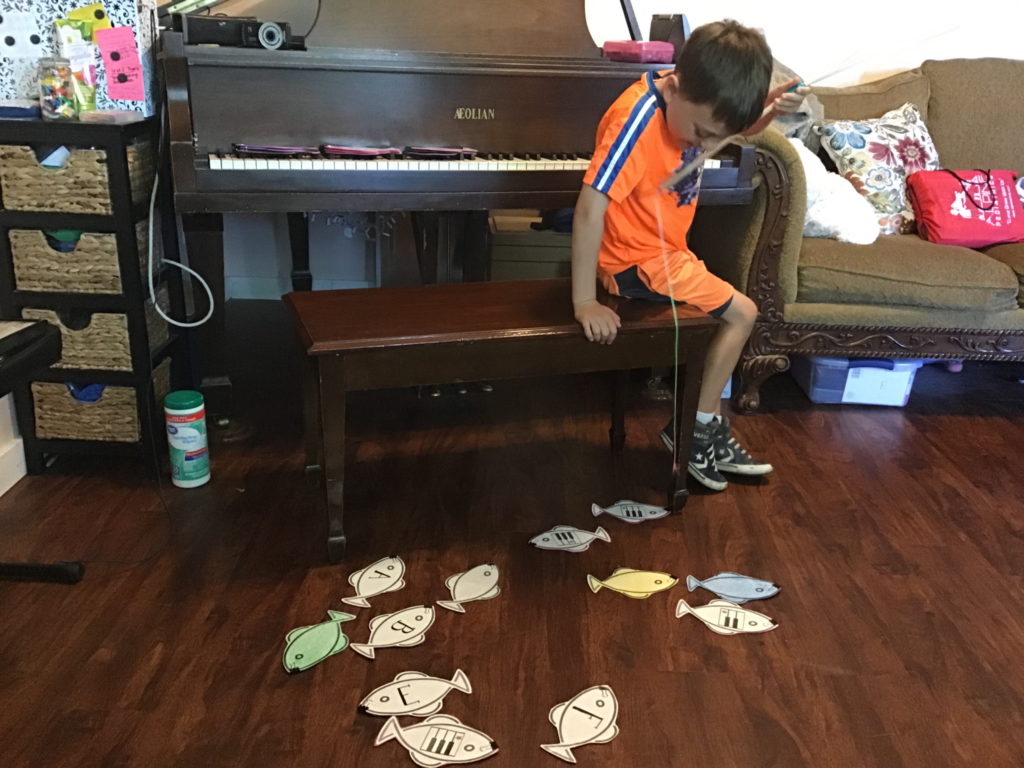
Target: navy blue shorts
[(632, 287)]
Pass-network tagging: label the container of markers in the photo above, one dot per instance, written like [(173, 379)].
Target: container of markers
[(56, 89)]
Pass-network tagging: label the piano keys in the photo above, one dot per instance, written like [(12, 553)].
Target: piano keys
[(527, 93)]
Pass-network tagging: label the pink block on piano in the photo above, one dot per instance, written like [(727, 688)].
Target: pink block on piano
[(639, 52)]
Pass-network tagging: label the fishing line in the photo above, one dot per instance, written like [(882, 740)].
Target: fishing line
[(678, 175)]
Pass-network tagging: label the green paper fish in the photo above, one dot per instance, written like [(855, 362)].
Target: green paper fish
[(311, 645)]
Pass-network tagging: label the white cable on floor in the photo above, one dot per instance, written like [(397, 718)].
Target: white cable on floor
[(152, 210)]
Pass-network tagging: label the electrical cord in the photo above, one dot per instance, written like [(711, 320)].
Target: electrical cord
[(319, 4), (179, 265)]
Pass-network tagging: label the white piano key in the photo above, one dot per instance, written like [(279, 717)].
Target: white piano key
[(215, 163), (348, 165), (261, 165), (249, 165), (306, 165), (319, 165), (234, 164)]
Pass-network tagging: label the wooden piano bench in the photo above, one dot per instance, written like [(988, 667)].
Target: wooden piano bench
[(378, 338)]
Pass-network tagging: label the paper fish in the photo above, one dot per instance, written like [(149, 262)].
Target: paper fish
[(310, 645), (383, 576), (727, 618), (587, 718), (439, 740), (638, 584), (630, 511), (413, 693), (735, 587), (568, 539), (397, 630), (480, 583)]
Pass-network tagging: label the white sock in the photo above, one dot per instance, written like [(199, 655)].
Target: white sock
[(705, 418)]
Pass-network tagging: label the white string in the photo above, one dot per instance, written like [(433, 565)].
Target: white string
[(152, 287), (675, 319)]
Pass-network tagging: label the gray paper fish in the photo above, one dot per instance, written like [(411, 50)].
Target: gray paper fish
[(735, 587), (630, 511), (568, 538)]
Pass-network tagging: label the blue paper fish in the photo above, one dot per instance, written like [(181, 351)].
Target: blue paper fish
[(735, 587)]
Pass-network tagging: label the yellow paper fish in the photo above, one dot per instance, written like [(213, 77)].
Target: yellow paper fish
[(632, 583)]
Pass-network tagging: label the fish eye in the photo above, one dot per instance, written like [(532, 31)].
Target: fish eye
[(545, 539), (384, 699), (759, 589), (391, 567), (599, 703), (657, 581), (298, 655), (487, 573), (419, 618), (753, 623), (469, 747)]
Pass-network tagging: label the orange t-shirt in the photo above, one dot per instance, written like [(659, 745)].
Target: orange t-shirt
[(635, 153)]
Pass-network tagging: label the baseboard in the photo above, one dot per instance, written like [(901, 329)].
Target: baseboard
[(12, 464)]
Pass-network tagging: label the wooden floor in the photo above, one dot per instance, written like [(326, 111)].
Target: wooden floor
[(897, 537)]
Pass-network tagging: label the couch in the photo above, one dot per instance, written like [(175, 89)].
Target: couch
[(901, 297)]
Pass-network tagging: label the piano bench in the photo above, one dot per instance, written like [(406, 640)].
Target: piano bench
[(379, 338)]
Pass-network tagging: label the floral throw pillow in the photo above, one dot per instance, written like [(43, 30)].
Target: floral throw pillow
[(877, 156)]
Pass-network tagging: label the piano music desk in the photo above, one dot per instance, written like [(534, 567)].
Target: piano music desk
[(378, 338)]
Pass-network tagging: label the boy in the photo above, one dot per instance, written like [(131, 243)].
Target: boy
[(719, 88)]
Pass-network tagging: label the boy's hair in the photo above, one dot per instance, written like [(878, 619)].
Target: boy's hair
[(728, 66)]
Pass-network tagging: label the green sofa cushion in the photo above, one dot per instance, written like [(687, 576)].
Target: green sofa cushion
[(871, 100), (904, 270), (1012, 255)]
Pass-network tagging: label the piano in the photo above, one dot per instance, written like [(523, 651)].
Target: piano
[(521, 82)]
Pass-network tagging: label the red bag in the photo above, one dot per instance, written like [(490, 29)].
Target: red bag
[(969, 208)]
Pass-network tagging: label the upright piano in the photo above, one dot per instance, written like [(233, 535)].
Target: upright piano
[(521, 82)]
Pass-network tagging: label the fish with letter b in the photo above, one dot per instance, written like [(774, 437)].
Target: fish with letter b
[(397, 630)]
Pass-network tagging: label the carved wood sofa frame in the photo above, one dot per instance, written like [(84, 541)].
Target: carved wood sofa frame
[(773, 340)]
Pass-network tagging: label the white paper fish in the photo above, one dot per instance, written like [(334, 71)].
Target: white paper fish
[(413, 693), (569, 539), (587, 718), (630, 511), (735, 587), (439, 740), (727, 618), (480, 583), (397, 630), (385, 575)]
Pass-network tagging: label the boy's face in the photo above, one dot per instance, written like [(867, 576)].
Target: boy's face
[(691, 124)]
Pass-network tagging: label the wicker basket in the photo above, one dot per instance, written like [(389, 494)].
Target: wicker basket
[(80, 186), (103, 344), (91, 268), (113, 418)]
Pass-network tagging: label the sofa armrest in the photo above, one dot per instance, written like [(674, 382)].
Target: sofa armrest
[(757, 247), (1012, 255)]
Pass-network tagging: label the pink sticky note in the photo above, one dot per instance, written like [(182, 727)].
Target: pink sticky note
[(122, 64)]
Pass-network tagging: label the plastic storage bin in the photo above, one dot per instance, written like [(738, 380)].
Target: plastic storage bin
[(861, 381)]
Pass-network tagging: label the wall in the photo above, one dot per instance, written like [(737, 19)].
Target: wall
[(809, 36), (815, 38)]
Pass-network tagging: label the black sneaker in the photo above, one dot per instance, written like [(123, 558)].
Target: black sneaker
[(702, 455), (730, 456)]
